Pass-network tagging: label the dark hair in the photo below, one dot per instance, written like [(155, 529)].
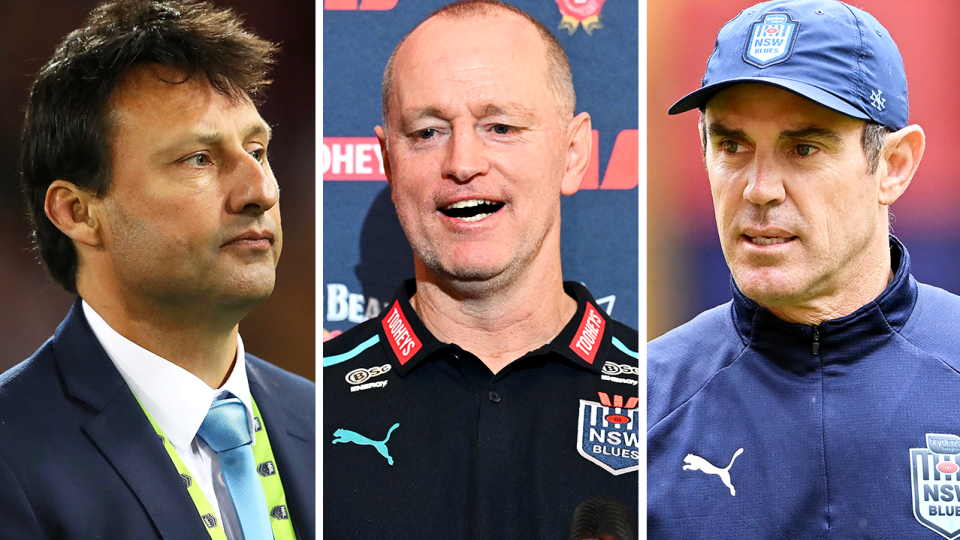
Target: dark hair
[(67, 131)]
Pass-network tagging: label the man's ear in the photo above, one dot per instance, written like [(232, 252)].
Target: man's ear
[(74, 212), (382, 137), (580, 143), (902, 151)]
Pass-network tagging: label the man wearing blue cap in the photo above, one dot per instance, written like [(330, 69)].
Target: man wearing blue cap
[(817, 403)]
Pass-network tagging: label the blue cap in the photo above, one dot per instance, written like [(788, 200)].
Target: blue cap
[(824, 50)]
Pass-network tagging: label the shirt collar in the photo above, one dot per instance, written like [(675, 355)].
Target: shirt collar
[(889, 312), (584, 341), (177, 400)]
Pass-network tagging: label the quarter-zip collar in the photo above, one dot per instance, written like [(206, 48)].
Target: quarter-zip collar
[(802, 348)]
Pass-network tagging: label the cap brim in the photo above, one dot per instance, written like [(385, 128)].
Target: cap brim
[(699, 98)]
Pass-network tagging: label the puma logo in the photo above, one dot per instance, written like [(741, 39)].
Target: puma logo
[(345, 436), (697, 463)]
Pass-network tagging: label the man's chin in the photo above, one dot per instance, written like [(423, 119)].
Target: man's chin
[(766, 286), (248, 288), (468, 276)]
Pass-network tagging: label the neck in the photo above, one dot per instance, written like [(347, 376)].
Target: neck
[(864, 281), (198, 340), (499, 324)]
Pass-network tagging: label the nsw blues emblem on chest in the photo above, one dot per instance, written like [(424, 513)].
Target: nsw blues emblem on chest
[(609, 433), (771, 40), (935, 479)]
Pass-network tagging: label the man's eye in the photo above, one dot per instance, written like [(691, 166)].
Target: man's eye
[(259, 154), (806, 149), (199, 160), (730, 147), (501, 129), (428, 133)]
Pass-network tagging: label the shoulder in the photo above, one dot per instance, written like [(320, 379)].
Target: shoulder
[(625, 341), (933, 325), (34, 379), (681, 361), (281, 384), (357, 343), (351, 339)]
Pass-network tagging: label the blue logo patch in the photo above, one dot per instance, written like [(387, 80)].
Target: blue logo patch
[(609, 436), (771, 40)]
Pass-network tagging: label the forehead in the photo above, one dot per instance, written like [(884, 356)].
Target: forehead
[(156, 97), (749, 103), (455, 59)]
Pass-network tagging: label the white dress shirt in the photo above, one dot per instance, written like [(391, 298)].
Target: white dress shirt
[(178, 401)]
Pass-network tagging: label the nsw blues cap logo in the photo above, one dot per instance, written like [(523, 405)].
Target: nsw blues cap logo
[(771, 40), (829, 52)]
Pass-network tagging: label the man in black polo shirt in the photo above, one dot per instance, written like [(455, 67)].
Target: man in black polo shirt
[(490, 398)]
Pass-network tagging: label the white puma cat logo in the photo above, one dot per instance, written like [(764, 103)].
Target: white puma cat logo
[(697, 463)]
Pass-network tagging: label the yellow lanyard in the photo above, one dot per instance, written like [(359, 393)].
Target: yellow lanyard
[(266, 470)]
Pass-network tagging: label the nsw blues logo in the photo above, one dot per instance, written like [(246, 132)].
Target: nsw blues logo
[(609, 433), (771, 40), (934, 478)]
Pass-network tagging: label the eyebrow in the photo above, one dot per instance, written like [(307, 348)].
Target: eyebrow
[(510, 109), (487, 110), (418, 114), (717, 129), (214, 137), (813, 133)]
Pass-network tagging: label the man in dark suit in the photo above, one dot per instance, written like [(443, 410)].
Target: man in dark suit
[(145, 167)]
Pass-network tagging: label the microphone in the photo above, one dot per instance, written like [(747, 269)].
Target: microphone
[(603, 518)]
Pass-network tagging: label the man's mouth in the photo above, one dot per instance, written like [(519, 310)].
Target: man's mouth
[(471, 209), (768, 240)]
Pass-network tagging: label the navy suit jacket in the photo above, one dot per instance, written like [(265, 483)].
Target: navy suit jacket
[(80, 460)]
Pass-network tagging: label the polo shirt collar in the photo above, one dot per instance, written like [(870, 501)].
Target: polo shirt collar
[(176, 399), (585, 340)]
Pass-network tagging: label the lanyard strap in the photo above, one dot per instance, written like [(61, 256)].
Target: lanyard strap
[(266, 470)]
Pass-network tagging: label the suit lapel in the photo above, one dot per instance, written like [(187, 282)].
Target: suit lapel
[(292, 438), (121, 432)]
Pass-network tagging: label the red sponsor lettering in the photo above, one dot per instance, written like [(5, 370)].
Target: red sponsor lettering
[(399, 334), (351, 158), (617, 419), (587, 338)]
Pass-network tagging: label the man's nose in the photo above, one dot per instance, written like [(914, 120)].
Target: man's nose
[(466, 155), (765, 182), (254, 188)]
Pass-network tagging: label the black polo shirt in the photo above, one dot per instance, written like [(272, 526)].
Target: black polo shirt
[(421, 440)]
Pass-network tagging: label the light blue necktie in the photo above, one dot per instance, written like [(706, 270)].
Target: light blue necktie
[(226, 430)]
